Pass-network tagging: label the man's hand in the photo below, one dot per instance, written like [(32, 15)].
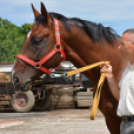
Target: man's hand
[(106, 68)]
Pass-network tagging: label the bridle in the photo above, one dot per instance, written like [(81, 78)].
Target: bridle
[(57, 49)]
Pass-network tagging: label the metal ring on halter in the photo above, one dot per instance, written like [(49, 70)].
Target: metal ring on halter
[(37, 66), (57, 47)]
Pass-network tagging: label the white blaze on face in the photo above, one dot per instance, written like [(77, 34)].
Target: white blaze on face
[(28, 35)]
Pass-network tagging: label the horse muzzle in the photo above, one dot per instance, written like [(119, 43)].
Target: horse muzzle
[(22, 87)]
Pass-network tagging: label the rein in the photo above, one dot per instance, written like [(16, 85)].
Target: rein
[(99, 86), (57, 49)]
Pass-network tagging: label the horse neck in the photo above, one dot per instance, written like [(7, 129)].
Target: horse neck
[(82, 51), (76, 45)]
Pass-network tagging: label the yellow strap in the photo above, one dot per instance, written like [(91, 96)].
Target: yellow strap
[(99, 86), (97, 96), (82, 69)]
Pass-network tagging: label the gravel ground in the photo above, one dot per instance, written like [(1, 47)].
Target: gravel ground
[(60, 121)]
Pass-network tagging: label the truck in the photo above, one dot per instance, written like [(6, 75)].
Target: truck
[(40, 97)]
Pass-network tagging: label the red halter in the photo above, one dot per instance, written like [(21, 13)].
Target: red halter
[(57, 48)]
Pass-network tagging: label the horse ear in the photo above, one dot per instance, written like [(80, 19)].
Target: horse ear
[(36, 13), (44, 13)]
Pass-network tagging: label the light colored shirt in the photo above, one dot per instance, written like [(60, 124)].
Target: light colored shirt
[(126, 85)]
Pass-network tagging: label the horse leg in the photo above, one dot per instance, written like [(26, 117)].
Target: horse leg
[(113, 126), (108, 108)]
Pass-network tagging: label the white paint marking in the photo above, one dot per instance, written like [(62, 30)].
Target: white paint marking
[(10, 124)]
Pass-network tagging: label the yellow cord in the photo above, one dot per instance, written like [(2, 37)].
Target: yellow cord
[(99, 86), (82, 69)]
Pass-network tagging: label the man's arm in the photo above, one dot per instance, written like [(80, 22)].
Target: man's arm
[(111, 81)]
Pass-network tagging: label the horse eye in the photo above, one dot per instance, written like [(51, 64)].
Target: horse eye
[(36, 41)]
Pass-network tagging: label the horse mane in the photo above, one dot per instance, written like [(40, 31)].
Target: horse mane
[(93, 30)]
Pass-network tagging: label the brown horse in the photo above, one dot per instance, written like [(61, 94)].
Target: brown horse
[(83, 43)]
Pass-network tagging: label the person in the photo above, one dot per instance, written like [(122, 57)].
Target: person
[(124, 92)]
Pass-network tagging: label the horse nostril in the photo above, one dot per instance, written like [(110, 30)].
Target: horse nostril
[(16, 81)]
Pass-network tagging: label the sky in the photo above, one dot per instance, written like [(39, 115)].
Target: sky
[(118, 14)]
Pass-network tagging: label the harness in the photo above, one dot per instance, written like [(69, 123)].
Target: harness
[(57, 49)]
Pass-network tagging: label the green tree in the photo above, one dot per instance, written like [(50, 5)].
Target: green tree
[(11, 39), (25, 28)]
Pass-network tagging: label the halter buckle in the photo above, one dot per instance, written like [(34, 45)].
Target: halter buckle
[(37, 66), (57, 47)]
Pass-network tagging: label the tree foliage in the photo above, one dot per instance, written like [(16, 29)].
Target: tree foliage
[(11, 39)]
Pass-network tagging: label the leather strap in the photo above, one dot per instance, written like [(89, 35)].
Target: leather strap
[(99, 86), (57, 49), (128, 118)]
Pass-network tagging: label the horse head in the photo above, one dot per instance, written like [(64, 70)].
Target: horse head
[(39, 52)]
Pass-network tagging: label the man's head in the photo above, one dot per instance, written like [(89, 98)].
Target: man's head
[(127, 44)]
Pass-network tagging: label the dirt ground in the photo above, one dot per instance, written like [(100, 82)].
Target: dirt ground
[(60, 121)]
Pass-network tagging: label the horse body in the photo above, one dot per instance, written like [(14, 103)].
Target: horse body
[(83, 51), (82, 47)]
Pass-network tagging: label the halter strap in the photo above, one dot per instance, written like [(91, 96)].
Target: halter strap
[(57, 48)]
